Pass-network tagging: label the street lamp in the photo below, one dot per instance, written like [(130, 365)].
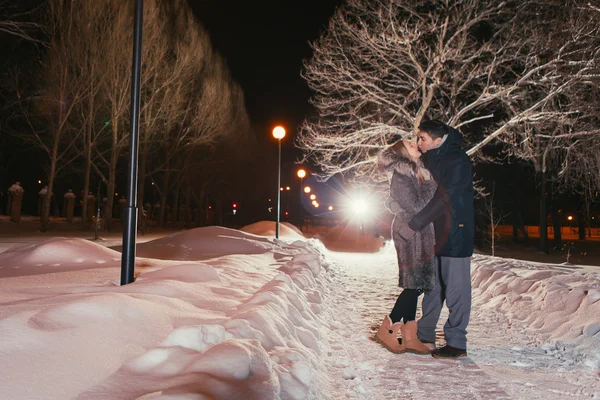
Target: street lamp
[(301, 174), (278, 133)]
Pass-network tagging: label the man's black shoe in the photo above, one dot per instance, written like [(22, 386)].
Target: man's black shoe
[(449, 352)]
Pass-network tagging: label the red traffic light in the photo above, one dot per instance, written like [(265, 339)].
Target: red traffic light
[(234, 205)]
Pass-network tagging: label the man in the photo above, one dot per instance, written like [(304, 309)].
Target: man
[(452, 213)]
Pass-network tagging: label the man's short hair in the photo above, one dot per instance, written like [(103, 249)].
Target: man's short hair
[(434, 128)]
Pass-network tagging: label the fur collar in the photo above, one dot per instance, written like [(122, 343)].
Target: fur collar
[(389, 160)]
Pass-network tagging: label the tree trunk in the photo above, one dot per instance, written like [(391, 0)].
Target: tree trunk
[(581, 225), (493, 232), (188, 207), (557, 241), (543, 214), (219, 204), (88, 154), (175, 209), (45, 217), (163, 199), (557, 244), (112, 177), (86, 179), (142, 185)]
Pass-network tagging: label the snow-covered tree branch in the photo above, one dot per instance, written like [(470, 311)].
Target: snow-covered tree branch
[(490, 68)]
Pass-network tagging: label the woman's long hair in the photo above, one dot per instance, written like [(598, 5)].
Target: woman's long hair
[(400, 149)]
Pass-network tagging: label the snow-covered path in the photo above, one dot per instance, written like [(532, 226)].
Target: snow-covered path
[(506, 362)]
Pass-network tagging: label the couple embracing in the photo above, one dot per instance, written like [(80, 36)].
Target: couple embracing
[(431, 197)]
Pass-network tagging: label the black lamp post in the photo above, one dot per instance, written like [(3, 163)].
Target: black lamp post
[(278, 133), (130, 228)]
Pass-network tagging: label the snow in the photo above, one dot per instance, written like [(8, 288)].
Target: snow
[(218, 313), (16, 188)]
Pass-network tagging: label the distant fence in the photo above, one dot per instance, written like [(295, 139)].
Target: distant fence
[(534, 230)]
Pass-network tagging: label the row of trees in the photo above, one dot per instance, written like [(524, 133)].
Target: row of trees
[(518, 78), (77, 106)]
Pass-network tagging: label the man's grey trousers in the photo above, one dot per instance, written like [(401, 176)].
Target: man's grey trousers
[(452, 284)]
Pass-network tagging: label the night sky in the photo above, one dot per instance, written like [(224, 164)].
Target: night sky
[(264, 43)]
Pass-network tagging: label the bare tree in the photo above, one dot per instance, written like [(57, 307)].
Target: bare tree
[(494, 214), (62, 88), (384, 65), (555, 113), (91, 121), (16, 22), (211, 109), (157, 77)]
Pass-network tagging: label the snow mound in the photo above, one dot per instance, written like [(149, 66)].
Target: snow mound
[(204, 243), (554, 304), (267, 228), (184, 273), (55, 255)]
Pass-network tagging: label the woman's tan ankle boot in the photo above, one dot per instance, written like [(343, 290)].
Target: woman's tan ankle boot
[(411, 341), (387, 335)]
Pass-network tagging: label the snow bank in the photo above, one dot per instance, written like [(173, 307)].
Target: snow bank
[(267, 228), (55, 255), (553, 303), (204, 243), (245, 324)]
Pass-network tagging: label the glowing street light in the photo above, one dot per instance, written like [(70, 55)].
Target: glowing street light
[(330, 208), (313, 196), (307, 189), (570, 218), (301, 173), (278, 133)]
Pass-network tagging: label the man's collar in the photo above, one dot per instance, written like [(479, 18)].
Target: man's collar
[(443, 140)]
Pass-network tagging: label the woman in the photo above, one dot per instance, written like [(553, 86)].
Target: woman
[(411, 188)]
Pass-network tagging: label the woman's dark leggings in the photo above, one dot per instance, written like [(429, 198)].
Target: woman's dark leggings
[(406, 306)]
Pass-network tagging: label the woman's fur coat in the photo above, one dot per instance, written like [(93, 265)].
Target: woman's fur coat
[(407, 197)]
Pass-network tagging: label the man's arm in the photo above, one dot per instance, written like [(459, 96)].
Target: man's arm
[(457, 177)]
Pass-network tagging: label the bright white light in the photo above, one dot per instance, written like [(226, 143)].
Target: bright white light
[(301, 173), (307, 189), (360, 207), (278, 132)]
